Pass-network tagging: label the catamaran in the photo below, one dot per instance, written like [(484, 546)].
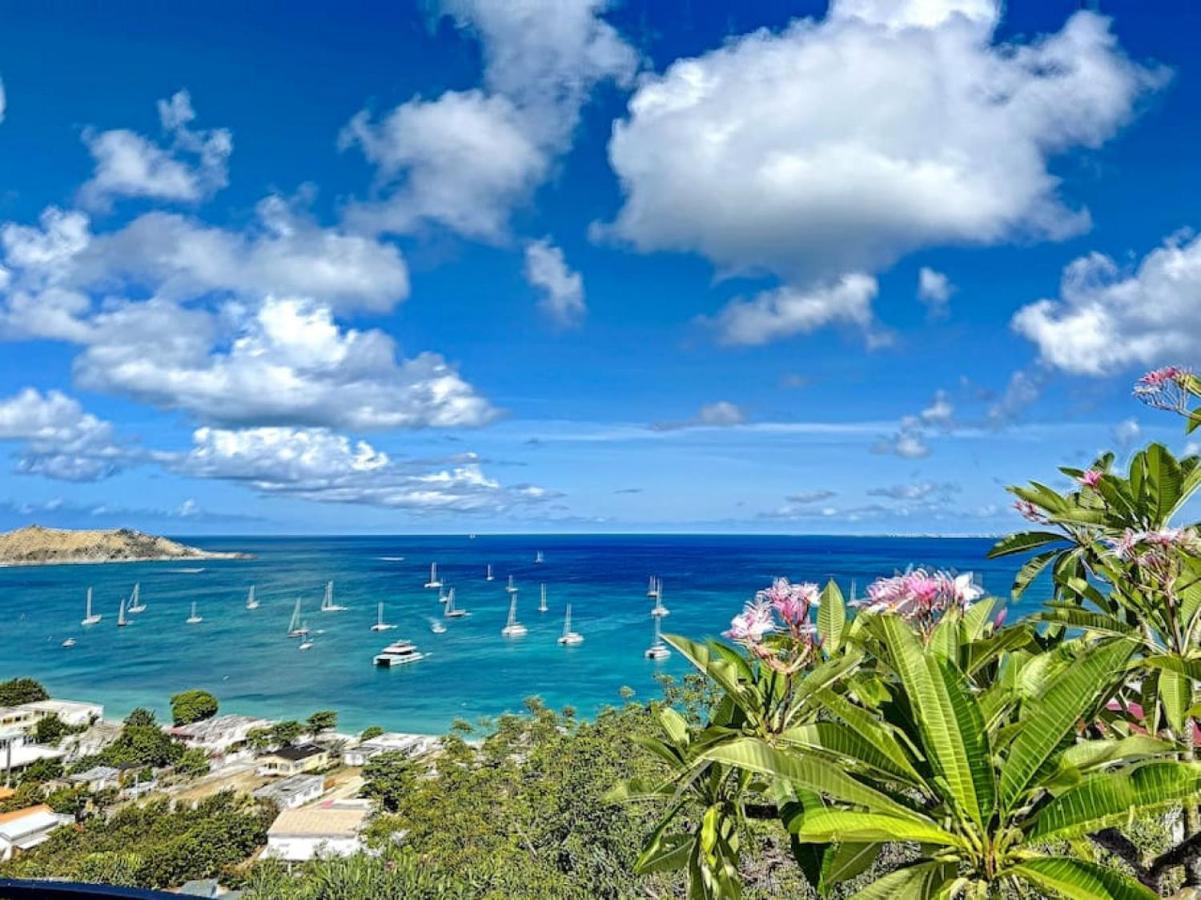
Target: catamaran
[(327, 602), (511, 587), (135, 599), (398, 653), (451, 611), (542, 607), (538, 558), (380, 625), (434, 582), (306, 642), (569, 638), (513, 628), (296, 627), (121, 623), (89, 617), (251, 601), (659, 610), (657, 649), (488, 575), (194, 619)]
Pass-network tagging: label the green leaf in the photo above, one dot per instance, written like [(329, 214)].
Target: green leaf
[(675, 726), (709, 662), (831, 617), (824, 826), (1050, 716), (1164, 480), (665, 854), (1083, 756), (923, 881), (846, 861), (880, 734), (1079, 880), (1169, 663), (1106, 799), (1023, 541), (1030, 570), (1176, 694), (840, 741), (1075, 617)]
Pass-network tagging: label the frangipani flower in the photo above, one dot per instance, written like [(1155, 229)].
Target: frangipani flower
[(1091, 478), (1164, 388), (791, 601), (753, 623), (922, 597), (1030, 512)]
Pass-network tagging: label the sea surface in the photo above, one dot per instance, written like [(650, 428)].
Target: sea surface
[(246, 658)]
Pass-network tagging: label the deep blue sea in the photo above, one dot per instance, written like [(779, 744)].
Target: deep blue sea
[(247, 660)]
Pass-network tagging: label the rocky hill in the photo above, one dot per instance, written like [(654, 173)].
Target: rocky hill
[(36, 545)]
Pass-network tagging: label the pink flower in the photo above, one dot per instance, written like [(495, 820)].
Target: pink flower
[(1030, 512), (791, 601), (1091, 478), (922, 597), (1164, 388), (752, 624), (1137, 543)]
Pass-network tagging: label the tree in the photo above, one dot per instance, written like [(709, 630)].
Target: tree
[(42, 770), (286, 732), (193, 706), (21, 690), (193, 763), (50, 730), (371, 731), (323, 720), (389, 776), (141, 716), (142, 745)]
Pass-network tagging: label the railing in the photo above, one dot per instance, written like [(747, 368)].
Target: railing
[(21, 889)]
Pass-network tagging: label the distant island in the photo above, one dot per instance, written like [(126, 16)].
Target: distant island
[(38, 546)]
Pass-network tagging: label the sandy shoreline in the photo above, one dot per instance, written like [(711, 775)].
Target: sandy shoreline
[(14, 564)]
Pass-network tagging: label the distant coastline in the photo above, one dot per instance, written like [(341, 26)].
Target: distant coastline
[(39, 546)]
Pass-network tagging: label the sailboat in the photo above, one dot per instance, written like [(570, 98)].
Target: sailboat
[(657, 649), (194, 619), (542, 607), (135, 599), (538, 558), (251, 601), (380, 625), (513, 628), (659, 610), (441, 595), (511, 587), (652, 587), (307, 641), (569, 638), (89, 617), (433, 582), (451, 611), (121, 623), (327, 602), (69, 642), (489, 576), (296, 627), (437, 627)]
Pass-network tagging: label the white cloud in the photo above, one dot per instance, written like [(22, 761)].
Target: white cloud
[(907, 443), (837, 146), (1022, 390), (720, 414), (918, 490), (58, 439), (466, 159), (810, 496), (909, 440), (1126, 432), (787, 311), (562, 289), (934, 289), (1106, 320), (940, 412), (191, 168)]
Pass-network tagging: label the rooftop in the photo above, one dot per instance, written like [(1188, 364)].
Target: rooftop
[(22, 822), (96, 773), (294, 784), (55, 705), (297, 752), (318, 821)]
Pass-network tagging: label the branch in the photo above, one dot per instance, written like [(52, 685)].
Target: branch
[(1183, 853), (1124, 849)]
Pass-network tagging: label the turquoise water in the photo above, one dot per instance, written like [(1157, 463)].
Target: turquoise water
[(246, 659)]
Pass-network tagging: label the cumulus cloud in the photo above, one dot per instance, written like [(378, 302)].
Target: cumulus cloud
[(909, 440), (1107, 319), (466, 159), (562, 289), (787, 311), (1126, 432), (1022, 390), (721, 414), (192, 166), (934, 289), (918, 490), (58, 439), (838, 145)]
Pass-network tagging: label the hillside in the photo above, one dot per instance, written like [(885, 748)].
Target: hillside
[(36, 545)]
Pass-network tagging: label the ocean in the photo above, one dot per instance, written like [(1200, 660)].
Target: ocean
[(246, 659)]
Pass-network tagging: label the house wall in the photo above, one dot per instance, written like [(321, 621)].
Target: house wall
[(302, 848)]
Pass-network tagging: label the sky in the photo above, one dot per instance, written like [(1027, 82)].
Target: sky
[(575, 265)]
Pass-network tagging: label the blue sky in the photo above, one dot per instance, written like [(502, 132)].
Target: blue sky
[(563, 265)]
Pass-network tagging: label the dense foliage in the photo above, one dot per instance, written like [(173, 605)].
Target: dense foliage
[(21, 690), (192, 706)]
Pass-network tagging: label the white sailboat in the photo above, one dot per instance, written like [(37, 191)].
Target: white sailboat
[(296, 627), (69, 642), (511, 587), (135, 600), (437, 627), (513, 628), (251, 601), (441, 594), (569, 638), (90, 618), (538, 558), (652, 586), (659, 610), (327, 602), (657, 649), (121, 623), (542, 607), (194, 619), (306, 642), (434, 582), (452, 611), (380, 624), (489, 576)]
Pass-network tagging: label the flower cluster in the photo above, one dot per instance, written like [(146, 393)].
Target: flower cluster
[(922, 597), (782, 608), (1030, 512), (1137, 544), (1165, 388), (1091, 478)]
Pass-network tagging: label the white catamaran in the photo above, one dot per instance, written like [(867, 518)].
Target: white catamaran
[(251, 601), (89, 617), (327, 602), (398, 653), (135, 600), (569, 638), (659, 610), (194, 619), (542, 607), (452, 611), (296, 627), (488, 576), (380, 624), (434, 582), (513, 628), (657, 649)]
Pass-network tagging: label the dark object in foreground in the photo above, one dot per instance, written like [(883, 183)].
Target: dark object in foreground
[(20, 889)]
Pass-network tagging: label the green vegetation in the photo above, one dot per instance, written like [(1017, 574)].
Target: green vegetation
[(21, 690), (324, 720), (193, 706), (286, 732), (51, 729), (371, 731)]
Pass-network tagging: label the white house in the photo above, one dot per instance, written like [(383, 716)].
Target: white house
[(294, 791), (218, 734), (75, 713), (26, 828), (97, 778), (412, 744), (17, 752), (327, 830)]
